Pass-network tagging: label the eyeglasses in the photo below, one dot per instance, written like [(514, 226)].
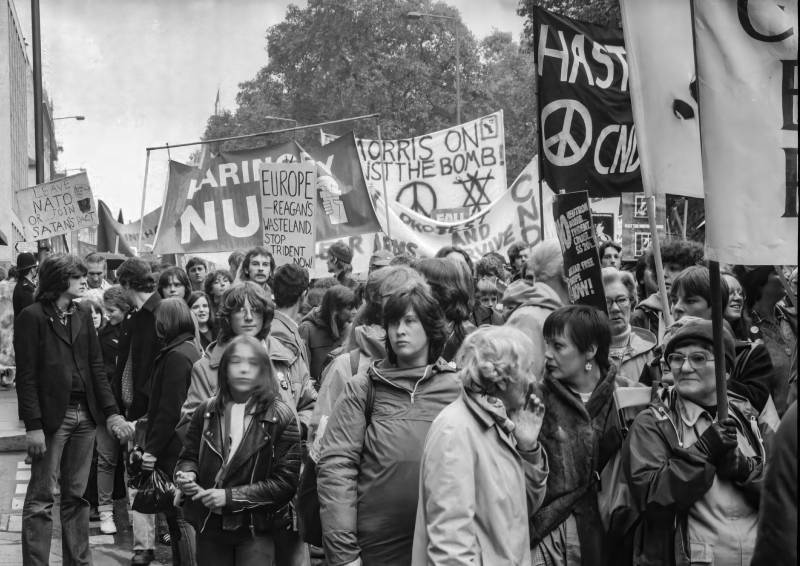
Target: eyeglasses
[(621, 302), (696, 359)]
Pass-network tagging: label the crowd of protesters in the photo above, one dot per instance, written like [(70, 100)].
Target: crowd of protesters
[(446, 410)]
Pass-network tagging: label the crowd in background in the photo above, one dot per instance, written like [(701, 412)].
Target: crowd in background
[(431, 411)]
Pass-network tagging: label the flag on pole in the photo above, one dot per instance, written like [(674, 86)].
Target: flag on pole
[(747, 77), (658, 38)]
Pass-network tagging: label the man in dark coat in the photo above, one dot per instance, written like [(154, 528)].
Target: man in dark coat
[(25, 287), (63, 394), (138, 348)]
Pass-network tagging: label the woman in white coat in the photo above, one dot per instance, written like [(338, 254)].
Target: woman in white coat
[(483, 472)]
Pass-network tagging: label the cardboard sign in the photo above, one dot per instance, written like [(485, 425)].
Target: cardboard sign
[(288, 209), (462, 166), (576, 234), (636, 227), (57, 208)]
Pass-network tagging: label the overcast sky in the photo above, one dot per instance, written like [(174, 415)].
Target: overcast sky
[(146, 72)]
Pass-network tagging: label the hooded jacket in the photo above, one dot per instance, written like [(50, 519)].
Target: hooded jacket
[(537, 302), (319, 341), (285, 330), (370, 340), (368, 476), (668, 477)]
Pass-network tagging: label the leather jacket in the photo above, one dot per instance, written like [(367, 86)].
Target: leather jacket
[(259, 479)]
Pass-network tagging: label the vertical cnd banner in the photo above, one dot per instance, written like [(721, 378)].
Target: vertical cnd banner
[(588, 140), (573, 218)]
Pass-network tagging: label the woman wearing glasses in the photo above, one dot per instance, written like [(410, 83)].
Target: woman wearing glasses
[(631, 347), (696, 478)]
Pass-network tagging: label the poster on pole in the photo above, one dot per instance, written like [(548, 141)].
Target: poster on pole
[(288, 210), (57, 208), (576, 235), (636, 233), (462, 166)]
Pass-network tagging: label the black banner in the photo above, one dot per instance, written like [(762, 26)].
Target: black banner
[(576, 235), (587, 137)]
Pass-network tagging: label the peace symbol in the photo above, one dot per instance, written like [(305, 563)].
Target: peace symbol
[(555, 146), (419, 197)]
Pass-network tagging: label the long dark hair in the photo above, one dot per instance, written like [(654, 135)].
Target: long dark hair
[(335, 299), (453, 288), (266, 389), (585, 327), (175, 273), (55, 273), (422, 302), (196, 296)]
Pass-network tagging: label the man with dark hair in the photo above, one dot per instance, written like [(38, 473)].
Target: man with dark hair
[(676, 255), (63, 395), (234, 262), (96, 277), (609, 252), (197, 269), (25, 287), (258, 266), (517, 257), (340, 258), (138, 347), (290, 286)]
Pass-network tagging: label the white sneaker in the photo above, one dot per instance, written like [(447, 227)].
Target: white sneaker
[(107, 526)]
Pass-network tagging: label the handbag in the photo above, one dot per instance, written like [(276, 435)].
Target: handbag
[(155, 492)]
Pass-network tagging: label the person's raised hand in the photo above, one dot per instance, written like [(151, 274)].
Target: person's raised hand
[(528, 422)]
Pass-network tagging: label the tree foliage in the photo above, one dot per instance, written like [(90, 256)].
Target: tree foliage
[(602, 12), (336, 59)]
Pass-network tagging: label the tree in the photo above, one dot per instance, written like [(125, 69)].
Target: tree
[(336, 59), (602, 12)]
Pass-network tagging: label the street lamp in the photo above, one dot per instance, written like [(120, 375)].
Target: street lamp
[(78, 118), (419, 16)]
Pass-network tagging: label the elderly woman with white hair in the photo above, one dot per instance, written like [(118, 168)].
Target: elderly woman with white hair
[(631, 348), (483, 471)]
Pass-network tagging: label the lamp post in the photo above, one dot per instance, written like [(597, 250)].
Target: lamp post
[(455, 20), (78, 118)]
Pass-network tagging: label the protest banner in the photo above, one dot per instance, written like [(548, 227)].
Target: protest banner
[(120, 238), (573, 218), (747, 77), (215, 207), (514, 217), (462, 166), (658, 41), (289, 206), (57, 207), (636, 234), (587, 135)]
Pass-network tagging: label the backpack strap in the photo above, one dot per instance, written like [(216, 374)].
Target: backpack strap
[(370, 404)]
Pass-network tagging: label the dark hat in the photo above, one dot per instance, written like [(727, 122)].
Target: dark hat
[(25, 261), (342, 252), (693, 330), (381, 258), (291, 275)]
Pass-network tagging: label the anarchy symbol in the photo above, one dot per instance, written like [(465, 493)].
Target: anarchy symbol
[(419, 197), (555, 146)]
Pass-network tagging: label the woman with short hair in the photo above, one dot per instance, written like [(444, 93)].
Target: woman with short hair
[(631, 349), (580, 434), (696, 478), (483, 470), (368, 474)]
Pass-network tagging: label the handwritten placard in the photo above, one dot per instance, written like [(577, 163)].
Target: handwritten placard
[(57, 208), (289, 208)]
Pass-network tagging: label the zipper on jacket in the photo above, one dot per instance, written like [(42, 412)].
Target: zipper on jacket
[(420, 380)]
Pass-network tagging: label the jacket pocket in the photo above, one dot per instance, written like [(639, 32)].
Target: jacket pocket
[(701, 553)]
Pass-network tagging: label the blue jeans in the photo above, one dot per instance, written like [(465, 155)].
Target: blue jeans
[(67, 460), (108, 449)]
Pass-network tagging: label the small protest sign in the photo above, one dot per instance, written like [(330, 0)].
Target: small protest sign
[(288, 207), (57, 208), (578, 246)]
